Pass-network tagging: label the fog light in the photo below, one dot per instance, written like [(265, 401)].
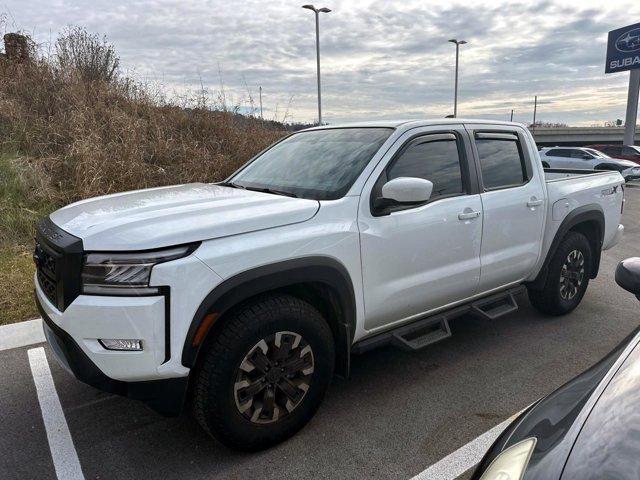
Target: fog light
[(121, 344)]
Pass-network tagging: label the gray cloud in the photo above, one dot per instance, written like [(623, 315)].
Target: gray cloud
[(380, 59)]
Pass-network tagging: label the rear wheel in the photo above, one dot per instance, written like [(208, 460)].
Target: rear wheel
[(265, 373), (567, 277)]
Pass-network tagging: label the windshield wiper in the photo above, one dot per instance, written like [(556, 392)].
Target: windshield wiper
[(271, 190), (232, 185), (259, 189)]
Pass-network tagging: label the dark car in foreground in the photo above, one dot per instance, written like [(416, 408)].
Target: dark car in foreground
[(587, 429)]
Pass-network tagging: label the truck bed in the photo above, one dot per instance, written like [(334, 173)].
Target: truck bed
[(558, 174), (569, 189)]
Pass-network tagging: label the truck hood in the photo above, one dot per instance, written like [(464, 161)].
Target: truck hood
[(160, 217)]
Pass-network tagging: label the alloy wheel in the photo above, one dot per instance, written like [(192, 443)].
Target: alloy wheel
[(273, 377), (572, 275)]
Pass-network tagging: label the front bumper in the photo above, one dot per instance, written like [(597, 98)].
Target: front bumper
[(631, 173), (165, 395)]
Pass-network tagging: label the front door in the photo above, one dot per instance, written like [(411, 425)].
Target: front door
[(418, 258)]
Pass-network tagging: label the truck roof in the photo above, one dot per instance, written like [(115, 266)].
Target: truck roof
[(412, 123)]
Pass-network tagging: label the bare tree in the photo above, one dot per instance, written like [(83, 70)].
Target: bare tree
[(87, 54)]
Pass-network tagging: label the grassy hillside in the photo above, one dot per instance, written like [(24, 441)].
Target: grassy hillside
[(71, 127)]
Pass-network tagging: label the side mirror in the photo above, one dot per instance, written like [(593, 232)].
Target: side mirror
[(628, 275), (404, 191), (586, 157)]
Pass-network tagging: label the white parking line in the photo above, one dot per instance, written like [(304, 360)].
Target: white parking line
[(21, 334), (466, 457), (63, 452)]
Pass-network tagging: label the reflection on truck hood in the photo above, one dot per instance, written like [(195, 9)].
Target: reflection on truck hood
[(160, 217)]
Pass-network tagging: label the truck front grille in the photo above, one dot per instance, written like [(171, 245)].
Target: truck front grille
[(48, 286), (58, 258)]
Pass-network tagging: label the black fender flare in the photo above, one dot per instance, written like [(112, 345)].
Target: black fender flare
[(586, 213), (244, 285)]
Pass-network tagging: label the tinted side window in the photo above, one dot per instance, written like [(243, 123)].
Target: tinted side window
[(438, 162), (557, 153), (502, 162), (629, 151), (581, 154), (613, 150)]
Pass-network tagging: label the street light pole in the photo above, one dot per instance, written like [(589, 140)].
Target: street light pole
[(317, 12), (455, 95)]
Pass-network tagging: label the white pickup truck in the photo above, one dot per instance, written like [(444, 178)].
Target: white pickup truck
[(241, 299)]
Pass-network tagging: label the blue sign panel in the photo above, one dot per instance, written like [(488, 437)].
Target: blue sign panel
[(623, 49)]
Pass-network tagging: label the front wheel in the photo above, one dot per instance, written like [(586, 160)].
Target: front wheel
[(567, 277), (265, 372)]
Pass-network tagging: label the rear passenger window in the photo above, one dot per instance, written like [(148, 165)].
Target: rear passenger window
[(501, 160), (436, 161), (557, 152)]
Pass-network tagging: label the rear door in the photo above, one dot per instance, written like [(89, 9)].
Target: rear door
[(558, 158), (513, 204), (421, 257)]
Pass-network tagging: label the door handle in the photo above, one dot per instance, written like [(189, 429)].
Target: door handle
[(534, 202), (468, 215)]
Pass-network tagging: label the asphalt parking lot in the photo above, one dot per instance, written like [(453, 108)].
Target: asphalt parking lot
[(398, 414)]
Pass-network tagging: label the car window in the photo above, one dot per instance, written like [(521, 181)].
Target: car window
[(630, 151), (557, 152), (436, 161), (314, 164), (613, 150), (502, 162), (580, 154), (595, 153)]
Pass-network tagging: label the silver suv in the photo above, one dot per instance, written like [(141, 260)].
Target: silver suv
[(587, 159)]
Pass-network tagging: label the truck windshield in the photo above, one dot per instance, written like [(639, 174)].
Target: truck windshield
[(317, 164)]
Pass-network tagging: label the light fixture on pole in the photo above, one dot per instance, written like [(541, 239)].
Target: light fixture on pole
[(455, 95), (317, 11)]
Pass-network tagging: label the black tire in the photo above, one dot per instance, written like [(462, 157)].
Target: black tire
[(217, 399), (561, 293)]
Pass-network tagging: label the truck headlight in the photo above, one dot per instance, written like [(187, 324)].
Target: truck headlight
[(512, 463), (125, 273)]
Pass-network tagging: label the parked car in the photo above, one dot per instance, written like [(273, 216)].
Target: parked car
[(587, 158), (626, 152), (588, 429), (244, 297)]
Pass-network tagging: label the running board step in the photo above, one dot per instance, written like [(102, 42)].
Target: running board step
[(420, 334), (496, 306), (432, 329)]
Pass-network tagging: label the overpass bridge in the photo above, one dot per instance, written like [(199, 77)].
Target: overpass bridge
[(579, 136)]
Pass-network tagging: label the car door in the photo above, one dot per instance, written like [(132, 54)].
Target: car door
[(513, 204), (421, 257), (558, 158), (582, 160)]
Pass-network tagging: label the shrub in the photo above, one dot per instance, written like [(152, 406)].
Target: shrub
[(89, 132)]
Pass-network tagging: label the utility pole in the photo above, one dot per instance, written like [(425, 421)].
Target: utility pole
[(632, 107), (511, 118), (261, 116), (535, 110), (317, 11), (455, 94)]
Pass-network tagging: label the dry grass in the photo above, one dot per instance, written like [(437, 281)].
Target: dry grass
[(66, 135), (97, 137), (16, 284)]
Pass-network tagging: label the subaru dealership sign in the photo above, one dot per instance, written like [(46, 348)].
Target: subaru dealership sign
[(623, 49)]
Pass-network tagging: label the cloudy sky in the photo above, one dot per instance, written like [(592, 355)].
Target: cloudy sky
[(380, 59)]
